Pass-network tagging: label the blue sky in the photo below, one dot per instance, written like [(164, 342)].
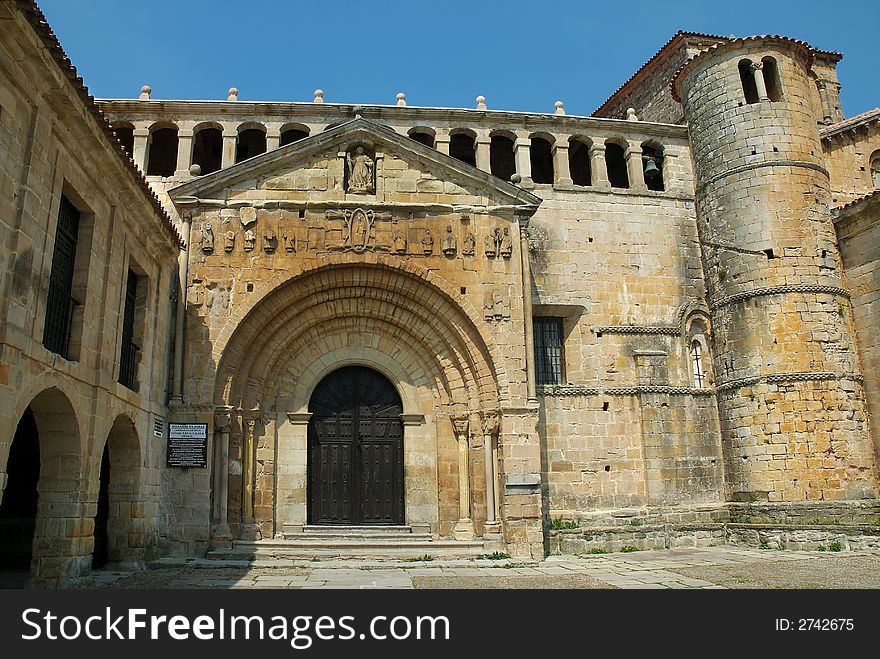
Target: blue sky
[(520, 55)]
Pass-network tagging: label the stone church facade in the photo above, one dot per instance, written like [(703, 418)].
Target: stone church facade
[(492, 330)]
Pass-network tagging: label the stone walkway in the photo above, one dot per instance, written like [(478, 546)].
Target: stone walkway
[(705, 568)]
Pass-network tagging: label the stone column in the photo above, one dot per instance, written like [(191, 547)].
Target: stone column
[(635, 166), (441, 141), (180, 319), (598, 167), (141, 143), (758, 72), (561, 169), (273, 136), (230, 140), (249, 529), (464, 527), (483, 144), (527, 311), (825, 97), (491, 424), (184, 152), (222, 423), (522, 157)]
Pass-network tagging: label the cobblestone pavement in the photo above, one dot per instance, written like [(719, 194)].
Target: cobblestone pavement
[(705, 568)]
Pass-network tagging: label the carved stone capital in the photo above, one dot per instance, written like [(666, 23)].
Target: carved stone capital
[(460, 425), (757, 66), (222, 419), (299, 418), (491, 421)]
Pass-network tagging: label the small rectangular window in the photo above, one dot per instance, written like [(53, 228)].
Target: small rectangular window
[(548, 350), (60, 302)]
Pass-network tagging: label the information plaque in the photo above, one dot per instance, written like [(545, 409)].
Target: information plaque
[(187, 445)]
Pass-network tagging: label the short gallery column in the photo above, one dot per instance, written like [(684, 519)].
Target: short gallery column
[(464, 527)]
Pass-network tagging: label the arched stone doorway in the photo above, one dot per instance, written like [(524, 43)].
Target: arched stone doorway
[(43, 489), (355, 458)]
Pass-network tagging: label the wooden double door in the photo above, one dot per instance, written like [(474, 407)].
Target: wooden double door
[(355, 450)]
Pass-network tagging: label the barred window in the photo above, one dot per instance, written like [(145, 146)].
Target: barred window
[(128, 358), (697, 362), (548, 350), (60, 303)]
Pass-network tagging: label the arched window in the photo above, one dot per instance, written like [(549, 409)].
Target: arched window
[(698, 370), (501, 160), (750, 89), (875, 168), (541, 156), (291, 134), (463, 147), (422, 136), (208, 147), (162, 160), (125, 134), (615, 161), (771, 79), (652, 163), (579, 162), (251, 142)]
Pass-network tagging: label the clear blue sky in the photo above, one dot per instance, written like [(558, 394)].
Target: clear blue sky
[(521, 55)]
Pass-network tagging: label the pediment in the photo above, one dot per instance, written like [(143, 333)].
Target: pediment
[(315, 169)]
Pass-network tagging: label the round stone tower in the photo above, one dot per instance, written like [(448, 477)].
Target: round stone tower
[(794, 425)]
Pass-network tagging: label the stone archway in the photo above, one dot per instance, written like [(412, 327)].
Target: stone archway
[(119, 529), (388, 315), (51, 494)]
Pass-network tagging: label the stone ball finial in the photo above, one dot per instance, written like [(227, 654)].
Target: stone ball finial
[(560, 107), (515, 178), (233, 94), (319, 96), (631, 114), (146, 90), (195, 170), (401, 99), (481, 102)]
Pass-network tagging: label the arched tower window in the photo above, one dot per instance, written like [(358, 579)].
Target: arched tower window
[(463, 147), (652, 163), (579, 162), (292, 134), (875, 168), (697, 368), (251, 142), (615, 161), (501, 160), (771, 79), (208, 148), (422, 136), (541, 156), (750, 89), (124, 132), (162, 160)]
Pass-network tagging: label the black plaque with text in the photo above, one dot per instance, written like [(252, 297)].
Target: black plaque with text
[(187, 445)]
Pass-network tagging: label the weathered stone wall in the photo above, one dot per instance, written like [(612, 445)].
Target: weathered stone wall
[(790, 397), (858, 231), (848, 155), (51, 144)]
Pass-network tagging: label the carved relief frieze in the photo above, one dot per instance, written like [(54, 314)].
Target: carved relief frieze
[(207, 239), (470, 245), (427, 242), (270, 240), (229, 241), (496, 304), (448, 246)]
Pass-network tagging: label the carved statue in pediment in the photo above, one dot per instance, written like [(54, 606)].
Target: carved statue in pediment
[(360, 172), (506, 248), (250, 239), (448, 245), (400, 242), (207, 241), (229, 241), (496, 305), (270, 241), (290, 243), (428, 242), (470, 244)]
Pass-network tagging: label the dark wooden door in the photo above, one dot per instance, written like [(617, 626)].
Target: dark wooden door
[(355, 450)]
